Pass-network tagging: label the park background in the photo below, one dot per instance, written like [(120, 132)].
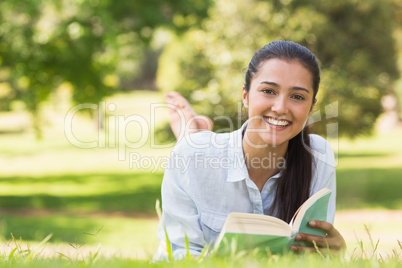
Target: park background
[(81, 93)]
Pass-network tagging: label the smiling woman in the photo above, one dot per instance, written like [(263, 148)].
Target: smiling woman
[(279, 92), (280, 99)]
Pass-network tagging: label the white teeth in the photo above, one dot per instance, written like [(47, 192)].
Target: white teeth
[(281, 123)]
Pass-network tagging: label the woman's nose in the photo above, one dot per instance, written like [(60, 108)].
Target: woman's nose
[(280, 105)]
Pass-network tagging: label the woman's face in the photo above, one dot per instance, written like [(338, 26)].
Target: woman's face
[(279, 102)]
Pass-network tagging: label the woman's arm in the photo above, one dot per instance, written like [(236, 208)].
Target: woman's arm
[(180, 216)]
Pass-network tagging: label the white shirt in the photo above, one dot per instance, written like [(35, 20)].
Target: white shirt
[(207, 178)]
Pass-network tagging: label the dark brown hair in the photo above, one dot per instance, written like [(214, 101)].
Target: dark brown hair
[(293, 185)]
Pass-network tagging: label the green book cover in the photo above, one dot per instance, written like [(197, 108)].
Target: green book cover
[(316, 211), (247, 231), (236, 242)]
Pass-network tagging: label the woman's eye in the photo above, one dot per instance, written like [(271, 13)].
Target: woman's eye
[(298, 97), (268, 91)]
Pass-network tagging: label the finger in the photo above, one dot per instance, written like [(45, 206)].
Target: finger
[(304, 249), (335, 243), (299, 249), (326, 226), (334, 237), (319, 241)]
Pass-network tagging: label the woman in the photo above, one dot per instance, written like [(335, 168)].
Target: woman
[(265, 167)]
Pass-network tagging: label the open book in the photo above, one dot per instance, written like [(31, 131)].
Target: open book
[(244, 231)]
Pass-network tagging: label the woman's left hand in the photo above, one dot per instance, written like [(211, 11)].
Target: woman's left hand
[(333, 241)]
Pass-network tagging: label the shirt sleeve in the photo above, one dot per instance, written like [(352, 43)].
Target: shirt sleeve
[(325, 175), (180, 216)]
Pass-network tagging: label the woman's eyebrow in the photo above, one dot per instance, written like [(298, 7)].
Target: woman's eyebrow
[(270, 83), (277, 85), (301, 88)]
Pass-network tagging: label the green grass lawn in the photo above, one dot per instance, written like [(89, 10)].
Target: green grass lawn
[(369, 172), (127, 192), (239, 260), (51, 186), (127, 237)]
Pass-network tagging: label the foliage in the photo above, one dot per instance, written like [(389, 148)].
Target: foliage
[(358, 67), (89, 44)]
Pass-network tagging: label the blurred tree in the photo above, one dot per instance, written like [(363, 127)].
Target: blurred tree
[(89, 44), (397, 6), (352, 39)]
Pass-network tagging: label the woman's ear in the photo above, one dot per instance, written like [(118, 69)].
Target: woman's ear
[(245, 97), (312, 106)]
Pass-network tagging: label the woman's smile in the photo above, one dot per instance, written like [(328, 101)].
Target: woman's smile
[(276, 123)]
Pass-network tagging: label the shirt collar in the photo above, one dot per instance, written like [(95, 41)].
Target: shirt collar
[(238, 170)]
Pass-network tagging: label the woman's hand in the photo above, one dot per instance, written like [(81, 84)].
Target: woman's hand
[(333, 241)]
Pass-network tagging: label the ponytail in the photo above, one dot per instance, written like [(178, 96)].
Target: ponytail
[(293, 185)]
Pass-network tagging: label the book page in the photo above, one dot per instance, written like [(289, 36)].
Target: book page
[(256, 224)]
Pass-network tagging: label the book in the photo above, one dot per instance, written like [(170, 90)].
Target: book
[(247, 231)]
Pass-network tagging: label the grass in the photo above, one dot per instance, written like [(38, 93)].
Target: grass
[(369, 172), (119, 236), (129, 192), (237, 260), (53, 187), (369, 188), (358, 188)]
